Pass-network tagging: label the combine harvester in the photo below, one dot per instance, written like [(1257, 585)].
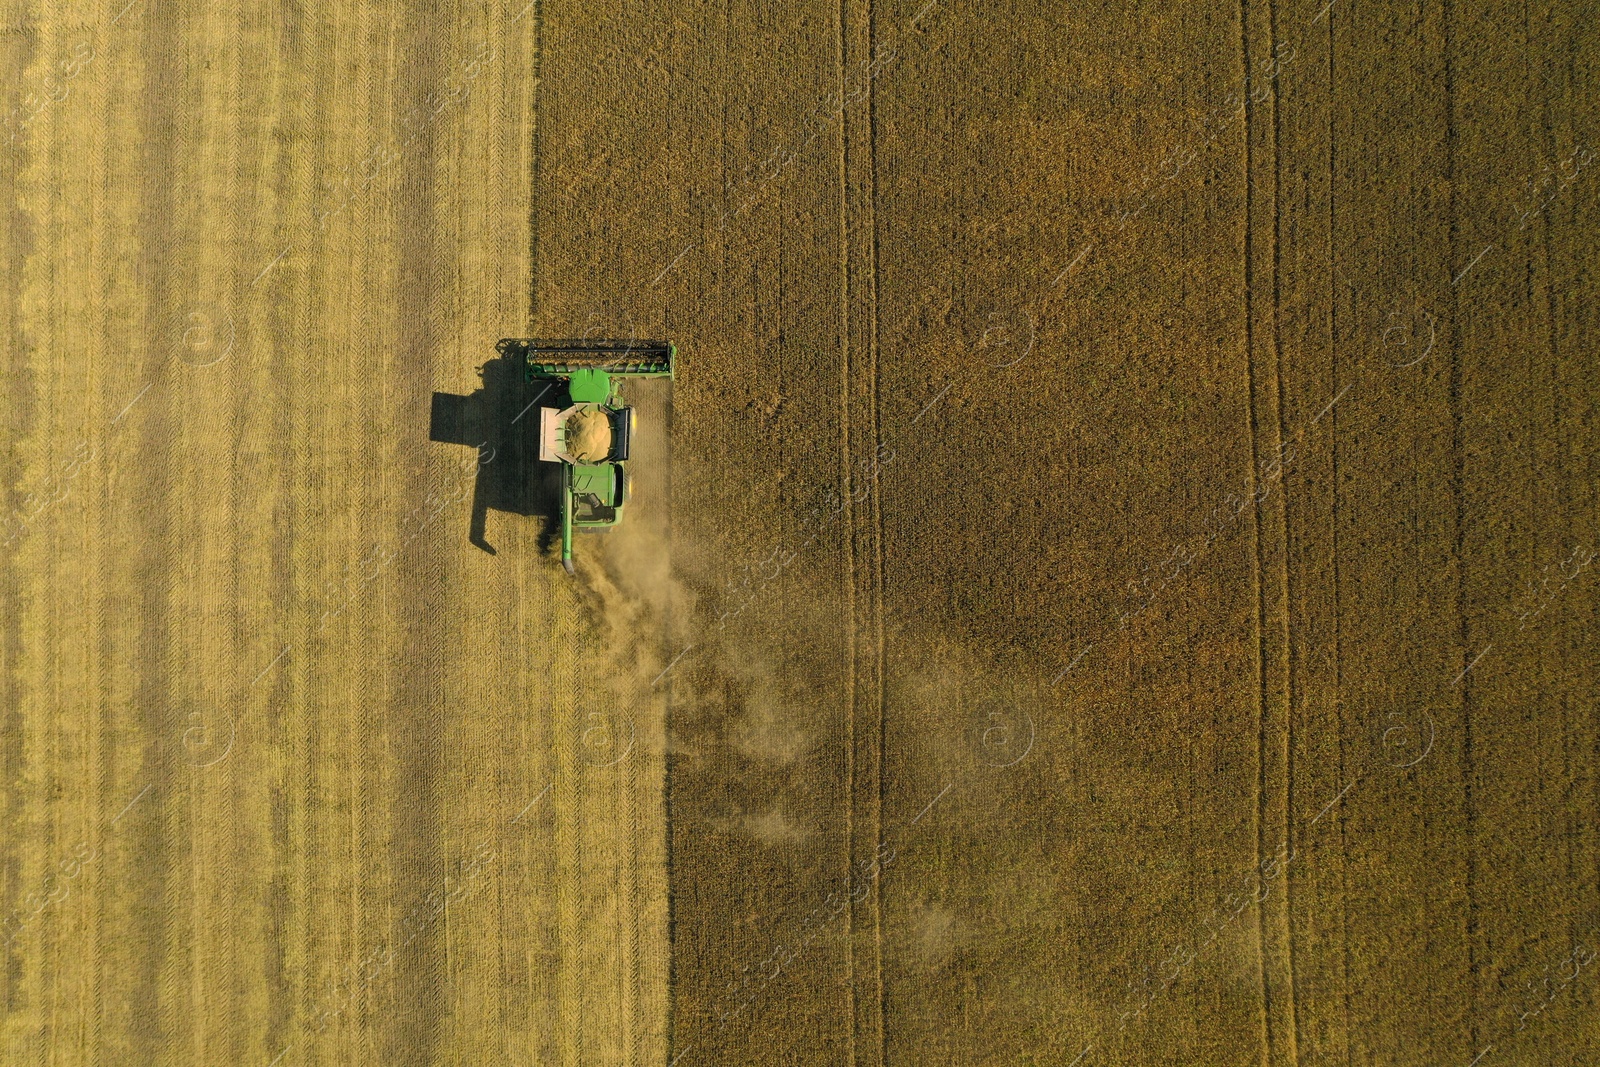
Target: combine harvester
[(590, 433)]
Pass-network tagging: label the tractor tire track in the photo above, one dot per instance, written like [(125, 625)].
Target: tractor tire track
[(863, 540), (847, 541), (1256, 590)]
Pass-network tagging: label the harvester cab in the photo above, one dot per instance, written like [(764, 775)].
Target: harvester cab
[(588, 428)]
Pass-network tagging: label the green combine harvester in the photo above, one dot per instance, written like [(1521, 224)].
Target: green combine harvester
[(592, 429)]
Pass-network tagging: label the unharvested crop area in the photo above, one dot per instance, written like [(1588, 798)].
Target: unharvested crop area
[(1112, 582)]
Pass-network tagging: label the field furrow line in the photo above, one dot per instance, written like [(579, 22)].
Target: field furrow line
[(1335, 288), (1263, 1011), (1282, 618), (875, 500), (1458, 494), (848, 538)]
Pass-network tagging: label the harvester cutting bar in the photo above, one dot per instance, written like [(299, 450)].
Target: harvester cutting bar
[(635, 359)]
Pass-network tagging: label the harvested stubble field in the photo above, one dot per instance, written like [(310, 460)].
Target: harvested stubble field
[(1111, 584)]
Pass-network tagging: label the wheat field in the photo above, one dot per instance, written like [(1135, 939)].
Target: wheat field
[(1110, 583)]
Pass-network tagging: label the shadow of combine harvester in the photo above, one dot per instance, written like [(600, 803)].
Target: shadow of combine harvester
[(554, 431), (495, 419)]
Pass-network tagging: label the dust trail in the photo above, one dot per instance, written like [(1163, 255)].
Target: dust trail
[(713, 697), (627, 593), (625, 576)]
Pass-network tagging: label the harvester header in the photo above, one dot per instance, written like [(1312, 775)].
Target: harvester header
[(556, 359)]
